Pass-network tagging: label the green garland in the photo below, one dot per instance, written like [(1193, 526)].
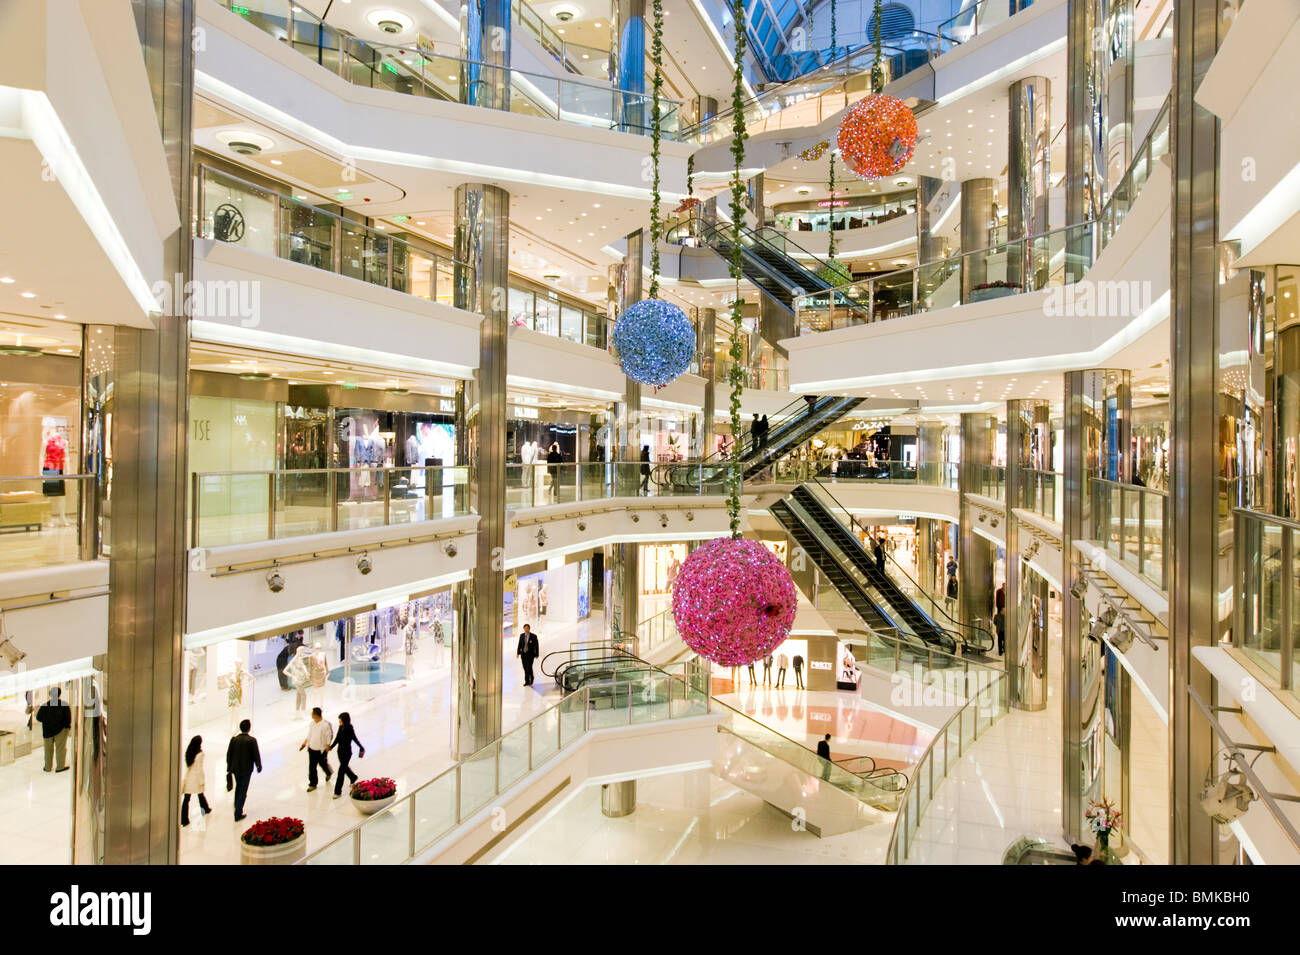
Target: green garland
[(690, 175), (830, 254), (736, 375), (657, 57), (877, 70)]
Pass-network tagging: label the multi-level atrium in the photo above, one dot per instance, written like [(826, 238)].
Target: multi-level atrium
[(313, 395)]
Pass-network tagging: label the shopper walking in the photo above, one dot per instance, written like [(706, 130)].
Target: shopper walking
[(1000, 625), (242, 757), (755, 434), (645, 469), (798, 672), (824, 751), (782, 662), (553, 461), (192, 785), (55, 718), (752, 679), (343, 741), (320, 735), (527, 652)]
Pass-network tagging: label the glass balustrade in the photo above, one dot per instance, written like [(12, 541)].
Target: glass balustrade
[(993, 482), (421, 70), (416, 821), (47, 520), (1130, 523), (1042, 492), (1265, 624), (978, 18)]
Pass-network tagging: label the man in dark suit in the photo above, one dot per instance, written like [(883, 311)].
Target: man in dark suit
[(242, 757), (824, 751), (528, 652)]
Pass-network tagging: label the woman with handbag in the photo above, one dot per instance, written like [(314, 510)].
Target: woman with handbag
[(193, 782), (343, 741)]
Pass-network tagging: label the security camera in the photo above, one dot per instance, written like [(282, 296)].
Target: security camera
[(364, 565), (1225, 800), (450, 549), (564, 12), (663, 520), (582, 525), (636, 518), (13, 656), (274, 581), (541, 536), (389, 26), (690, 515)]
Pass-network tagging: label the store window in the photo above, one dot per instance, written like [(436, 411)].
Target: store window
[(519, 302)]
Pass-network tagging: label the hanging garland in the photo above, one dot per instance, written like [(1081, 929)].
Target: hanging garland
[(654, 338), (878, 135), (830, 254), (734, 600)]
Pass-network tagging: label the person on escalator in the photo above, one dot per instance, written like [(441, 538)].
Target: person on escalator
[(645, 469), (756, 434), (766, 428), (824, 751), (878, 550), (812, 402)]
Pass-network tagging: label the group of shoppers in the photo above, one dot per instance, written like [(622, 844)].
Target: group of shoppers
[(244, 757), (758, 431)]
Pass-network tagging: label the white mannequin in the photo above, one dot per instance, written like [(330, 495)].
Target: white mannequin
[(300, 676), (319, 669)]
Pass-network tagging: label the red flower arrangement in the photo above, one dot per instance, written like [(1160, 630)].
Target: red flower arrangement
[(381, 787), (275, 831)]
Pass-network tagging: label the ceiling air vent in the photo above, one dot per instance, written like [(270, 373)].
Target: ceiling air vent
[(244, 148)]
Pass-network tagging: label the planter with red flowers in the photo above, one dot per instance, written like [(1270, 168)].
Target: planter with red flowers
[(280, 840), (372, 795), (987, 290)]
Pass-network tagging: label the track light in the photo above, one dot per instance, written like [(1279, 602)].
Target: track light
[(1030, 551), (1225, 799), (450, 549), (364, 565), (1121, 637), (274, 581), (12, 654), (1078, 588)]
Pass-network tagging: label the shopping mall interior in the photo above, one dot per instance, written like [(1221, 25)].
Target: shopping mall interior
[(731, 432)]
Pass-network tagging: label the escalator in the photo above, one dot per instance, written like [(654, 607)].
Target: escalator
[(796, 423), (913, 612), (767, 261)]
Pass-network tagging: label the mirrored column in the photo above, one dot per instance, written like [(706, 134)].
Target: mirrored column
[(485, 50), (1029, 142)]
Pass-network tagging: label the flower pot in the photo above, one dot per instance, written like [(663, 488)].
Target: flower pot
[(286, 853), (368, 807), (984, 294)]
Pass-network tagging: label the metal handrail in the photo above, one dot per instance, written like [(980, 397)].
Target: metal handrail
[(902, 819)]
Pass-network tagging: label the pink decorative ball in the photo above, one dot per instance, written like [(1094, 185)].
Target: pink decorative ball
[(733, 601)]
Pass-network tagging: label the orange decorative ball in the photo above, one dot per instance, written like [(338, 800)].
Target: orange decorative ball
[(877, 137)]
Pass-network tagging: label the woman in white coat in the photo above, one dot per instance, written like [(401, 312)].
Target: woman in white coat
[(193, 782)]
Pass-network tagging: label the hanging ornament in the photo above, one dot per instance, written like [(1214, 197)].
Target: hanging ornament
[(815, 152), (655, 340), (733, 601), (877, 137)]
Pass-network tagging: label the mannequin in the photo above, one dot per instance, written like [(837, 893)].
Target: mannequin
[(299, 674), (318, 669), (234, 684), (408, 645)]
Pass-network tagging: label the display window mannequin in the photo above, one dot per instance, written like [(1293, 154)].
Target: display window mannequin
[(299, 674)]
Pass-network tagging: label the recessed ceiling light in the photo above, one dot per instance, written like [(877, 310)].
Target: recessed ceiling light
[(277, 162), (28, 294), (6, 280)]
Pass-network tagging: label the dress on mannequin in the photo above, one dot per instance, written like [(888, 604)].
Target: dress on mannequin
[(318, 668), (299, 674)]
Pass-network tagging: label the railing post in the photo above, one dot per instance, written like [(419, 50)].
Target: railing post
[(458, 794), (331, 478), (270, 505), (1287, 608), (530, 746), (194, 508), (387, 477), (1238, 580), (410, 818), (1142, 531)]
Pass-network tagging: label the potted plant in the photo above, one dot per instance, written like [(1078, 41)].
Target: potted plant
[(280, 840), (372, 795), (1103, 819), (987, 290)]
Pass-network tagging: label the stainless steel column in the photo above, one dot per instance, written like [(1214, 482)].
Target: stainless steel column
[(929, 247), (485, 50), (1085, 168), (482, 242), (708, 371), (977, 230), (626, 560), (929, 453), (975, 553), (1023, 416), (627, 61), (759, 206), (137, 775), (1199, 498), (618, 799), (1093, 449), (1117, 70), (1029, 141)]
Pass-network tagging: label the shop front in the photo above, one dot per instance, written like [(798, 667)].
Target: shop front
[(546, 596)]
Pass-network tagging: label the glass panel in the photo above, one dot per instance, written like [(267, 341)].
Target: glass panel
[(650, 697), (40, 522), (1264, 632), (573, 717), (609, 704), (337, 853), (546, 736), (435, 810), (514, 757), (478, 781), (386, 836)]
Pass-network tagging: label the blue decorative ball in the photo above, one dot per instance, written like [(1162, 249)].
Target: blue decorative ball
[(655, 342)]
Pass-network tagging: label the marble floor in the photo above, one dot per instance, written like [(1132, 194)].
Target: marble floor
[(406, 727), (691, 818), (1007, 785)]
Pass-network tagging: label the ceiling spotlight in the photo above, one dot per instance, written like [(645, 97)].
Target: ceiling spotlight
[(1120, 637), (1226, 799), (364, 565), (541, 536), (273, 580), (1078, 588), (450, 549)]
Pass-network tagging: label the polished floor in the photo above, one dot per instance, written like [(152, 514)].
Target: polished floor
[(691, 818)]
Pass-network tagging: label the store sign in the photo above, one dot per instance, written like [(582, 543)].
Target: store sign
[(821, 665), (832, 203), (445, 405), (526, 412)]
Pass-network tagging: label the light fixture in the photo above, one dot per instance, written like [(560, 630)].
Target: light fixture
[(450, 549), (364, 565), (274, 581), (1225, 799), (663, 519), (541, 536), (245, 142), (11, 653), (564, 12), (582, 525), (391, 22), (1120, 636), (1078, 588)]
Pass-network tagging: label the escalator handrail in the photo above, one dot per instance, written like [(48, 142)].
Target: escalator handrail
[(786, 417), (958, 627), (571, 657), (711, 234)]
